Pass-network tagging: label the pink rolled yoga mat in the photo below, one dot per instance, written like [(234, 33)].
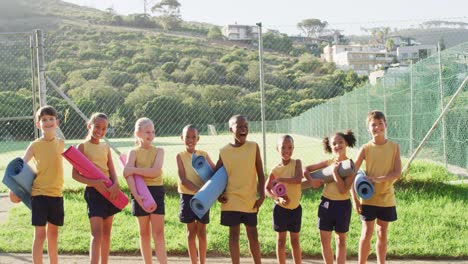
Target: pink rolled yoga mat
[(86, 168), (278, 189), (149, 205)]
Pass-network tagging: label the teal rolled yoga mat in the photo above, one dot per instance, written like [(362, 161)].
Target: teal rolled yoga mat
[(19, 178), (363, 186), (202, 201), (202, 167)]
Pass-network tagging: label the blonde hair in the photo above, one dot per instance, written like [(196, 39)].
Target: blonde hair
[(92, 119), (139, 124)]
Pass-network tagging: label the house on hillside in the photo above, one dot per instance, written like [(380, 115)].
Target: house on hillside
[(361, 59), (240, 32), (415, 53)]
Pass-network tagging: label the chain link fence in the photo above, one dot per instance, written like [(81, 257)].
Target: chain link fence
[(16, 97), (180, 79)]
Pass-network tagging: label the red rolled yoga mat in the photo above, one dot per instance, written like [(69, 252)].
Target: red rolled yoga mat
[(86, 168)]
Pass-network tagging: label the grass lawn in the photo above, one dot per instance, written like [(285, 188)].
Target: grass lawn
[(432, 215)]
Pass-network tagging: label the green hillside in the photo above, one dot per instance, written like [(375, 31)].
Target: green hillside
[(174, 78)]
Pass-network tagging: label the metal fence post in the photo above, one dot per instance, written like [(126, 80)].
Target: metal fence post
[(41, 67), (262, 90), (33, 47), (441, 87), (411, 109)]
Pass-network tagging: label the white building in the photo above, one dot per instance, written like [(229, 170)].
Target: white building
[(361, 59), (415, 53), (240, 32)]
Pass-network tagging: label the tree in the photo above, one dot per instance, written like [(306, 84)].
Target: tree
[(214, 33), (276, 41), (170, 13), (312, 27)]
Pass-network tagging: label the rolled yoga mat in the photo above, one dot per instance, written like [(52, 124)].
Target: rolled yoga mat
[(279, 189), (19, 179), (363, 186), (86, 168), (148, 203), (345, 169), (202, 167), (209, 193)]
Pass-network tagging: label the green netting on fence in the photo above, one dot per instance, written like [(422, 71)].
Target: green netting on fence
[(412, 99)]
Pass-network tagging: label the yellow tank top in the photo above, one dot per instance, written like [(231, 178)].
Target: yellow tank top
[(241, 189), (330, 190), (380, 160), (145, 159), (49, 167), (97, 154), (293, 190), (190, 173)]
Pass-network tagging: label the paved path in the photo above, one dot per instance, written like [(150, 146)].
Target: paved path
[(82, 259)]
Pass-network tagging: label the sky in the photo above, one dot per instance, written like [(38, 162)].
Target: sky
[(283, 15)]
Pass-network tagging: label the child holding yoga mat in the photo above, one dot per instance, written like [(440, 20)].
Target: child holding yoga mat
[(287, 212), (334, 210), (189, 183), (244, 192), (147, 160), (46, 194), (100, 210), (383, 168)]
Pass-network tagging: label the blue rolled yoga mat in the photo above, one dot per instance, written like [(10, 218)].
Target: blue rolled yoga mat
[(202, 167), (363, 186), (209, 193), (19, 178)]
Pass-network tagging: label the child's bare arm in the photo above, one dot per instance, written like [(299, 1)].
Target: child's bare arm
[(28, 154), (260, 178), (269, 185), (129, 178), (313, 167), (114, 189), (182, 177), (153, 172)]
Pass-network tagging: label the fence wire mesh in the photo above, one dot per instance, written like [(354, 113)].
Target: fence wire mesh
[(16, 96), (177, 79)]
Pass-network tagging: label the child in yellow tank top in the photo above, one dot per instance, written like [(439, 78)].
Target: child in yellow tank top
[(287, 213), (147, 161), (244, 194), (100, 210), (383, 167), (334, 210), (189, 183), (46, 197)]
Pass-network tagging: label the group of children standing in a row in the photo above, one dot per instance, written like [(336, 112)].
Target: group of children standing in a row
[(240, 201)]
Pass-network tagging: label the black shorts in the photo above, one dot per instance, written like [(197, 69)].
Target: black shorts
[(47, 209), (234, 218), (98, 205), (371, 212), (287, 219), (334, 215), (158, 195), (186, 215)]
